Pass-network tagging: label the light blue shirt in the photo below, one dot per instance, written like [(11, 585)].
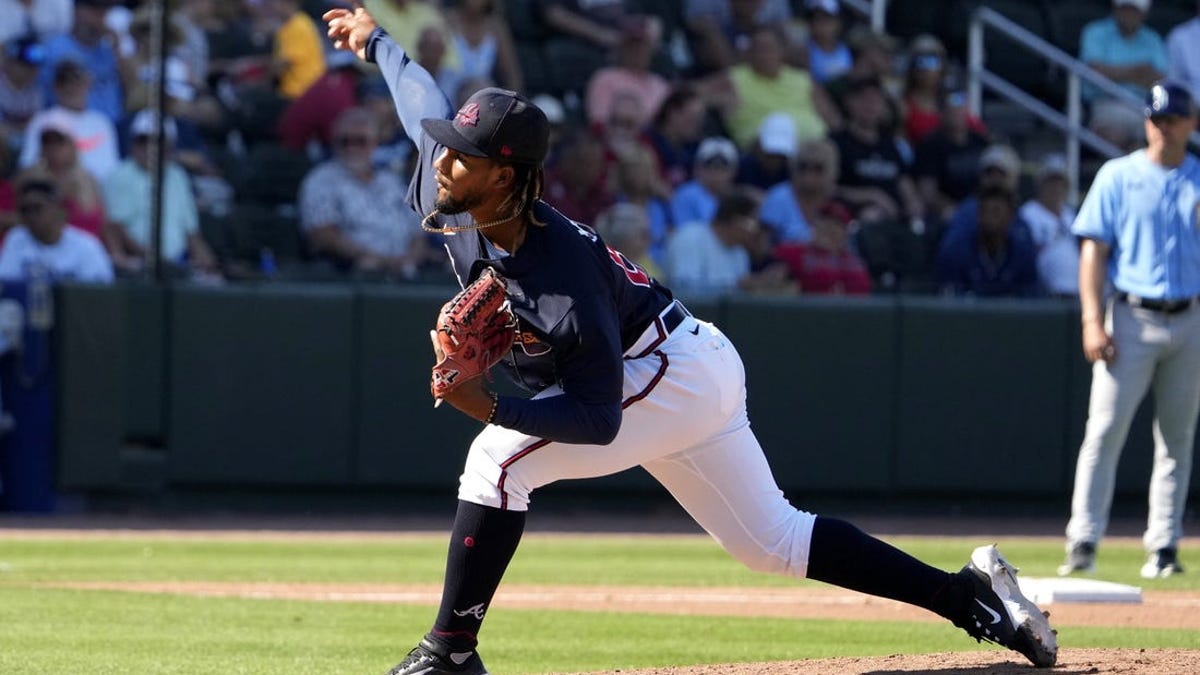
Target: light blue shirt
[(1102, 42), (691, 203), (127, 199), (1150, 217), (106, 94), (781, 212)]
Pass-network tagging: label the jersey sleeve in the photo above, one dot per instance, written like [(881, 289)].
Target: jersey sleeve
[(1100, 208), (414, 91)]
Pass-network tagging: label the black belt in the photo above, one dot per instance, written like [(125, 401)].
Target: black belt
[(674, 316), (1164, 306)]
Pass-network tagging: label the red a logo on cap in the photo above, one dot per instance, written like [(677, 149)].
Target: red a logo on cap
[(468, 115)]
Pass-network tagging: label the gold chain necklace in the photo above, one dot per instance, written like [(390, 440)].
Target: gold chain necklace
[(447, 229)]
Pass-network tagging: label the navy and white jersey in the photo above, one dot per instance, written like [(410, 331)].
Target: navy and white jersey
[(580, 304)]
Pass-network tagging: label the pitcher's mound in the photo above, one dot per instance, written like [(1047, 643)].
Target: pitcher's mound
[(1070, 662)]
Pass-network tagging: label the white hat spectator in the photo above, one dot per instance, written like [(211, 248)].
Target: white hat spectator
[(1000, 157), (777, 134), (1052, 166), (143, 124), (552, 107), (1142, 5), (828, 6), (717, 150), (57, 120)]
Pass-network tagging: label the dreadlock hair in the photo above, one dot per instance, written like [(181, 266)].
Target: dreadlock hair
[(528, 181)]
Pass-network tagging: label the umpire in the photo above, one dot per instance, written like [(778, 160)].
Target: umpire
[(1140, 228)]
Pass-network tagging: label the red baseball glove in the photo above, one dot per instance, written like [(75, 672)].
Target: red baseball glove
[(473, 332)]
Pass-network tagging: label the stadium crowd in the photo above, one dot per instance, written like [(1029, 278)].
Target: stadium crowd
[(765, 146)]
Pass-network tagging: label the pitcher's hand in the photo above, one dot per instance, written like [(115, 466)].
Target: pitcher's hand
[(350, 29)]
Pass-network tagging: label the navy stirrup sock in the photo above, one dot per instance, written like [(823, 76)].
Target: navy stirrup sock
[(843, 555), (481, 545)]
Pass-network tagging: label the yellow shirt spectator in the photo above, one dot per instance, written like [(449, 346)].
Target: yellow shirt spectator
[(298, 54), (790, 92), (404, 20)]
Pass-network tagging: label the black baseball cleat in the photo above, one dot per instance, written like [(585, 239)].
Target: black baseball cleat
[(1161, 564), (434, 657), (1000, 613)]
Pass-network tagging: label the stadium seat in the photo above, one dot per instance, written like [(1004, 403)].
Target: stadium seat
[(1067, 20), (253, 229)]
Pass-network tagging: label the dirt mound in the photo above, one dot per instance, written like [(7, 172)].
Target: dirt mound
[(1070, 662)]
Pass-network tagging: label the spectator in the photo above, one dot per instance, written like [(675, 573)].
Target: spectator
[(94, 133), (827, 264), (767, 162), (191, 16), (356, 216), (999, 166), (947, 160), (622, 127), (1049, 218), (40, 19), (431, 54), (873, 55), (766, 83), (484, 45), (184, 90), (675, 133), (577, 185), (715, 167), (639, 185), (828, 56), (45, 239), (874, 178), (20, 95), (1183, 59), (87, 44), (8, 195), (127, 196), (711, 257), (625, 227), (310, 117), (988, 260), (1124, 49), (789, 208), (404, 20), (78, 190), (720, 30), (298, 55), (923, 87), (593, 24), (630, 74)]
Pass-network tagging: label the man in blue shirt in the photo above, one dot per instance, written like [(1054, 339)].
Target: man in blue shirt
[(989, 257), (88, 45), (1140, 226)]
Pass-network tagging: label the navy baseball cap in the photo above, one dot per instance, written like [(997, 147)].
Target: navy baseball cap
[(1169, 98), (495, 123)]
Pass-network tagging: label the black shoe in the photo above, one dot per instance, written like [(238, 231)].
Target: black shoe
[(1000, 613), (433, 657), (1161, 564), (1081, 558)]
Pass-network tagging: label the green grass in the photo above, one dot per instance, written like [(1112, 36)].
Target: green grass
[(46, 630)]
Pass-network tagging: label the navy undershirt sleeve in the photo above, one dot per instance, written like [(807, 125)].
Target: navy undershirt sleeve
[(561, 419)]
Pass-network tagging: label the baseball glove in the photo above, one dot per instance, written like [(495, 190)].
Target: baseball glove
[(474, 330)]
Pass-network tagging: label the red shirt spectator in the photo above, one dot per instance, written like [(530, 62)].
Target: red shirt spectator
[(826, 264), (312, 114)]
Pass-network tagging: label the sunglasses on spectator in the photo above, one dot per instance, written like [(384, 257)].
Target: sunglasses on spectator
[(815, 167), (352, 141), (927, 62)]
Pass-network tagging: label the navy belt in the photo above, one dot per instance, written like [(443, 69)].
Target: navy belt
[(674, 316), (1164, 306)]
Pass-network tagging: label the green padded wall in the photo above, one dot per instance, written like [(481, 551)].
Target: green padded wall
[(261, 386), (90, 356), (402, 439), (145, 338), (821, 379), (983, 395)]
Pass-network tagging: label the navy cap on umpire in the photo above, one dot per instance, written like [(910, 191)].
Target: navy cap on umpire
[(1169, 98)]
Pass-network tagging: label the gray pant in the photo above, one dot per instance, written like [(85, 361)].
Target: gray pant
[(1153, 350)]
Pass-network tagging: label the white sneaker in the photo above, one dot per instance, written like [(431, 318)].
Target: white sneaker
[(1000, 613)]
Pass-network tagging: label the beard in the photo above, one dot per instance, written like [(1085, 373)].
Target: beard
[(450, 206)]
